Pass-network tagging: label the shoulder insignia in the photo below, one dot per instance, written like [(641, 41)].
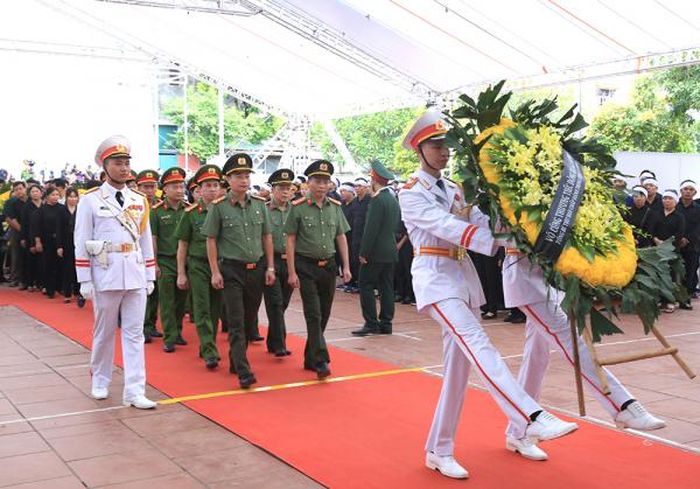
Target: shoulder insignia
[(336, 202), (191, 207), (220, 199), (91, 190), (451, 182), (257, 197), (138, 192), (409, 185), (157, 204), (300, 200)]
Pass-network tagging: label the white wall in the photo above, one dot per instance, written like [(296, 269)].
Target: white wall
[(670, 168)]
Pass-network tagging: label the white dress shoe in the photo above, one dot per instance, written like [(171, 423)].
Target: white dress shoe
[(447, 466), (548, 427), (525, 447), (636, 417), (140, 402), (99, 393)]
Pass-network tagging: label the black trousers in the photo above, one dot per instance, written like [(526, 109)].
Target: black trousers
[(30, 268), (404, 279), (69, 284), (277, 298), (317, 287), (50, 267), (489, 272), (690, 259), (243, 289)]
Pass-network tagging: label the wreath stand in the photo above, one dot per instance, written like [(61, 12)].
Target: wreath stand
[(599, 363)]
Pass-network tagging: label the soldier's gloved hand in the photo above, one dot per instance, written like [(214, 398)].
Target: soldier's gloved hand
[(150, 287), (86, 290)]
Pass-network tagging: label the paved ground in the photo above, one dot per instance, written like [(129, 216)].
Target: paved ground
[(43, 377)]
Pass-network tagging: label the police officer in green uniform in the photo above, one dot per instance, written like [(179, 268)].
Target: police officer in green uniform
[(239, 249), (147, 182), (193, 272), (277, 296), (378, 254), (164, 220), (315, 226), (193, 196)]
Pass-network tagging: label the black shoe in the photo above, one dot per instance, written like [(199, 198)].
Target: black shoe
[(81, 301), (168, 347), (686, 306), (212, 363), (408, 300), (384, 330), (488, 315), (398, 298), (156, 334), (515, 318), (364, 331), (23, 287), (147, 338), (256, 338), (180, 341), (281, 353), (322, 370), (247, 381)]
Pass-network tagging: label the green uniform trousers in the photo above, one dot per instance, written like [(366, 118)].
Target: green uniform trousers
[(317, 287), (378, 276), (243, 290), (149, 322), (206, 306), (277, 298), (171, 299)]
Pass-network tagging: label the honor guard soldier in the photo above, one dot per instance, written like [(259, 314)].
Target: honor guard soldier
[(315, 226), (278, 294), (116, 268), (239, 248), (441, 228), (193, 270), (147, 182), (164, 220), (378, 254)]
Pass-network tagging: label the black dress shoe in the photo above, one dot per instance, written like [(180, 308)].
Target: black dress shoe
[(247, 381), (212, 363), (287, 352), (281, 353), (81, 301), (384, 330), (322, 370), (147, 338), (256, 338), (168, 347), (156, 334), (398, 298), (180, 341), (365, 331)]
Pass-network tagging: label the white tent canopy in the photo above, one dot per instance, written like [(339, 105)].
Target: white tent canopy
[(329, 58)]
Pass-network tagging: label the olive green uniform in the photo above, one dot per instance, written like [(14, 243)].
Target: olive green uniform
[(149, 322), (378, 246), (206, 300), (239, 229), (277, 296), (164, 221), (316, 228)]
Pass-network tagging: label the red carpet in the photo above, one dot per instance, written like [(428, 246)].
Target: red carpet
[(370, 433)]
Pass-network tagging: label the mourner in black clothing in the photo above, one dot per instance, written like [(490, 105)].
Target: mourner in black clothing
[(653, 198), (690, 242), (70, 286), (672, 224), (13, 216), (403, 281), (30, 268), (361, 204), (642, 218), (44, 229)]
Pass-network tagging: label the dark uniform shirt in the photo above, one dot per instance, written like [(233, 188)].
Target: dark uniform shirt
[(645, 222), (316, 227), (190, 229), (379, 238), (657, 206), (278, 218), (671, 225), (691, 214), (164, 221), (238, 228)]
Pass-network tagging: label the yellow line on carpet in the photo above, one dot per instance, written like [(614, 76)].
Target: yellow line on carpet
[(236, 392)]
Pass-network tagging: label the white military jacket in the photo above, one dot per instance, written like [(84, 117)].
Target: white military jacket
[(430, 216), (96, 219), (524, 284)]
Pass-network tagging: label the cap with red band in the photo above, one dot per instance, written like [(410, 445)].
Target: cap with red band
[(430, 125), (172, 175), (113, 147)]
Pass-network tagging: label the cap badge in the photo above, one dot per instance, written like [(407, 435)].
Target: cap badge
[(241, 160), (284, 174), (323, 167)]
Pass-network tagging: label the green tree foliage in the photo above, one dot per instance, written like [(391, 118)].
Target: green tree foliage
[(241, 127), (658, 117)]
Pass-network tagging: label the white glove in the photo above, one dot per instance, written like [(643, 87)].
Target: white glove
[(86, 289), (150, 287)]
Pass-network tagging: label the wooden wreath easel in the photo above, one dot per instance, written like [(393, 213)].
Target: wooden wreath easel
[(599, 363)]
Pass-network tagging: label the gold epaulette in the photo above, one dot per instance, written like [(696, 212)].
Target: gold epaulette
[(409, 185), (91, 190), (157, 204), (336, 202), (300, 200), (257, 197), (192, 207), (220, 199), (138, 192)]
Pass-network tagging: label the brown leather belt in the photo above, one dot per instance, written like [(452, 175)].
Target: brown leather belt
[(453, 253)]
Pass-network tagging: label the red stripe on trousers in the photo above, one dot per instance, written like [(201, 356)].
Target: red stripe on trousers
[(449, 325), (566, 354)]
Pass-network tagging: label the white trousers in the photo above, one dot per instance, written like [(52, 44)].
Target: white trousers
[(547, 327), (107, 306), (465, 345)]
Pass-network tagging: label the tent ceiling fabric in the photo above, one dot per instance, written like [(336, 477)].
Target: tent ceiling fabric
[(328, 58)]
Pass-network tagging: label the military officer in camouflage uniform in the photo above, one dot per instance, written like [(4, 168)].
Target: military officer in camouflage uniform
[(378, 254), (239, 248), (164, 221), (193, 270), (147, 181), (277, 296), (315, 226)]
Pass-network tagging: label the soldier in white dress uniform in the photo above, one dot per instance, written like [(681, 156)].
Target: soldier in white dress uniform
[(547, 328), (116, 268), (446, 285)]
